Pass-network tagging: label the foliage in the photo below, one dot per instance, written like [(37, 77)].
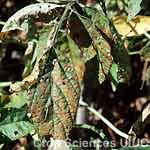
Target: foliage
[(69, 46), (134, 8)]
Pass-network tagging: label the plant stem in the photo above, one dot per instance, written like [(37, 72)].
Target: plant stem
[(107, 122), (2, 23), (4, 84)]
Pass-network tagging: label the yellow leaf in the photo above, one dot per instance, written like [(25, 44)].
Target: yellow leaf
[(137, 26)]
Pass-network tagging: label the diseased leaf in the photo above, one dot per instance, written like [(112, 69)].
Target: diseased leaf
[(98, 47), (25, 18), (34, 12), (54, 100), (53, 86), (120, 56), (38, 48), (77, 60), (103, 43)]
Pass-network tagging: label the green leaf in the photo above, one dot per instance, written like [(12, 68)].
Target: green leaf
[(12, 115), (17, 100), (114, 76), (16, 130), (14, 123), (90, 11), (134, 7), (97, 17), (41, 43)]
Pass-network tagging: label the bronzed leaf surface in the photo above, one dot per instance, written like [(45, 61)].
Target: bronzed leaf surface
[(121, 57), (61, 57), (54, 97), (97, 28), (53, 86), (54, 100), (111, 47)]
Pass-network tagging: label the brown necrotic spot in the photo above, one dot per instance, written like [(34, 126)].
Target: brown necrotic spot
[(37, 111)]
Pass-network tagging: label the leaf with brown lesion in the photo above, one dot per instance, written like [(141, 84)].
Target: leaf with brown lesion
[(54, 98), (53, 87), (92, 43)]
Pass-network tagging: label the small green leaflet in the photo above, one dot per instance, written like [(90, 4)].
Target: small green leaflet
[(114, 76)]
